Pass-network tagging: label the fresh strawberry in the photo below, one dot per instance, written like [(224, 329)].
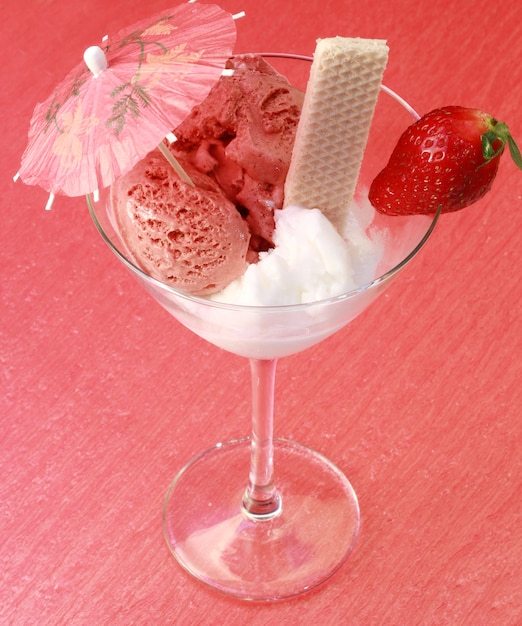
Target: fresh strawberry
[(448, 158)]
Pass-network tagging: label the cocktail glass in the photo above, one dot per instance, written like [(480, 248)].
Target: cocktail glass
[(260, 518)]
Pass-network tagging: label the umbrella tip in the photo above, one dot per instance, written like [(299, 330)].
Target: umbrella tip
[(95, 60), (50, 201)]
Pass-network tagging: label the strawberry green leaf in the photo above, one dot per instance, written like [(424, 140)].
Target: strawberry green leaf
[(488, 151), (499, 130), (515, 152)]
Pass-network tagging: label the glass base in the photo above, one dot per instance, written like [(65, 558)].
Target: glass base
[(215, 541)]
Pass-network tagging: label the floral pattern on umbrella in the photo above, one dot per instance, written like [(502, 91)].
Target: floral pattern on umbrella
[(98, 124)]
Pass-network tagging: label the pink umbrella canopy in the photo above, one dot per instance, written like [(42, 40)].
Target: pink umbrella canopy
[(140, 84)]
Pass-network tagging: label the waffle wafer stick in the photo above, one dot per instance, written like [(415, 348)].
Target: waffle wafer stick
[(339, 103)]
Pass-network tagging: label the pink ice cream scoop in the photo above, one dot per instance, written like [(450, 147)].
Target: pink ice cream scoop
[(192, 238), (242, 135)]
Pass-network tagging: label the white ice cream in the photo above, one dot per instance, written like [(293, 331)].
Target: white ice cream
[(311, 261)]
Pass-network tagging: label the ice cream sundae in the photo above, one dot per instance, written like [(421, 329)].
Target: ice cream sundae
[(269, 220)]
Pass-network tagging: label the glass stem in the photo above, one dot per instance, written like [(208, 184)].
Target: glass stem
[(262, 500)]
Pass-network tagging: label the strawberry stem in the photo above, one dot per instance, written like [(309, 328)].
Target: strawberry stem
[(500, 131)]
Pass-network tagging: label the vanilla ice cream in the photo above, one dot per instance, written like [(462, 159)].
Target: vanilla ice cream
[(311, 260)]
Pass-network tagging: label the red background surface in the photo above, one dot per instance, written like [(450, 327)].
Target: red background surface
[(103, 397)]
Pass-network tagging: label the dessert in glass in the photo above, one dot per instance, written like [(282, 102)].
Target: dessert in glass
[(262, 518)]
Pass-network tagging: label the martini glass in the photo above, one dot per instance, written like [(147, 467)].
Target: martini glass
[(260, 518)]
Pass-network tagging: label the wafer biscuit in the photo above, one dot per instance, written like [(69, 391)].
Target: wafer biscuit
[(339, 103)]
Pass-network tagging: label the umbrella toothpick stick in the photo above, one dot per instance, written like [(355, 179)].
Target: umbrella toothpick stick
[(175, 164)]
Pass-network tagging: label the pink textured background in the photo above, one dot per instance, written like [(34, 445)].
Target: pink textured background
[(103, 397)]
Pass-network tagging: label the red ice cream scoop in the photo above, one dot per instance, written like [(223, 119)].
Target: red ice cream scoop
[(242, 135), (191, 238)]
